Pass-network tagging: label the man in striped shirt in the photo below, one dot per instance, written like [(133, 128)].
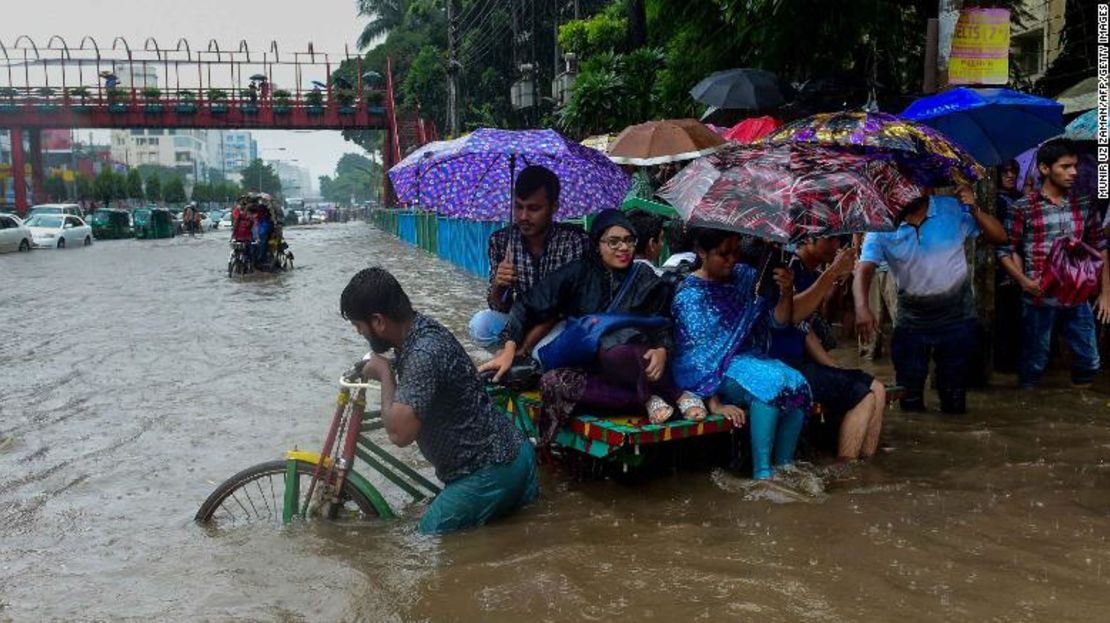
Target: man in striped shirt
[(1035, 222)]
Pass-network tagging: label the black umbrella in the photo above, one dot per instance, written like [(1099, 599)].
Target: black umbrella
[(258, 77), (748, 89)]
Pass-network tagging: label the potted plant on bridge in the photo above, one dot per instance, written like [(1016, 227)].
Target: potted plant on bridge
[(346, 99), (315, 101), (80, 94), (217, 101), (153, 97), (186, 102), (46, 99), (374, 101), (281, 101), (249, 97), (117, 100), (7, 98)]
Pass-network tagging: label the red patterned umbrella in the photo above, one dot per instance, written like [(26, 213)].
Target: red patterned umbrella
[(790, 192)]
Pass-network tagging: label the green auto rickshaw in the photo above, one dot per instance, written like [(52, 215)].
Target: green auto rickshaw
[(111, 224), (153, 223)]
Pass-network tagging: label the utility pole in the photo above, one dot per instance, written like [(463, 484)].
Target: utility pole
[(452, 70)]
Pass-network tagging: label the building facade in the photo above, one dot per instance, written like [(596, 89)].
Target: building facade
[(296, 181)]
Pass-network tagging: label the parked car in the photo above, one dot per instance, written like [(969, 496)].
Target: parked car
[(225, 220), (111, 224), (59, 230), (153, 223), (71, 209), (14, 236)]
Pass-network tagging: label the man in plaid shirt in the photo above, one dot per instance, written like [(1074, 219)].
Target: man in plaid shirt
[(1034, 223), (521, 254)]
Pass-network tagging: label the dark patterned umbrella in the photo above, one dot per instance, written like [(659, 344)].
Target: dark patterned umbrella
[(790, 192), (924, 154)]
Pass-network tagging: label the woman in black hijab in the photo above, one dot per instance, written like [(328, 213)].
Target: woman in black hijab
[(630, 370)]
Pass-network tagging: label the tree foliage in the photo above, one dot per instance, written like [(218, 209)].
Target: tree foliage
[(135, 185), (261, 177), (84, 187), (154, 187), (640, 58), (56, 188), (109, 186), (174, 191), (356, 177)]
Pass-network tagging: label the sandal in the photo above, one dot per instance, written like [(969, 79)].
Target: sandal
[(692, 407), (658, 410)]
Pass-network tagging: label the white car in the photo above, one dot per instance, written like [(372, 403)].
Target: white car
[(225, 220), (71, 209), (14, 236), (58, 231)]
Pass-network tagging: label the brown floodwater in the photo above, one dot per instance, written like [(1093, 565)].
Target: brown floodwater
[(135, 376)]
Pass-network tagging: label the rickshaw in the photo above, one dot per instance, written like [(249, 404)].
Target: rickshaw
[(111, 224), (278, 256), (153, 223)]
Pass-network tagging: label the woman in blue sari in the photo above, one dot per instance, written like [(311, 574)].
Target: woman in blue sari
[(716, 310)]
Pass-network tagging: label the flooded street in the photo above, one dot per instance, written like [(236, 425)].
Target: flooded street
[(135, 376)]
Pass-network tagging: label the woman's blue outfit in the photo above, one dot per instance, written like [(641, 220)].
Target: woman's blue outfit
[(714, 322)]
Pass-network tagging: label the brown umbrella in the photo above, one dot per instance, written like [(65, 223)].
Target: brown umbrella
[(658, 142)]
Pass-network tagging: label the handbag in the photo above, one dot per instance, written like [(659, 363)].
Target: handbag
[(580, 340), (1072, 271)]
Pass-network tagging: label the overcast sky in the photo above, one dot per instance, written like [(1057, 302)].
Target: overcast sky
[(328, 24)]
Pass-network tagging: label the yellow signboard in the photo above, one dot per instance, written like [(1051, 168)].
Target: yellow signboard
[(981, 48)]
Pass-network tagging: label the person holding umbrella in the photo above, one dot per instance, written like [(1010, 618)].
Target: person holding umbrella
[(936, 309), (521, 254), (1051, 217)]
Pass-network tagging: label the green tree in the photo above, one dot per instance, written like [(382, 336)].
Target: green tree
[(56, 188), (154, 187), (385, 16), (424, 85), (84, 187), (174, 191), (108, 186), (202, 193), (356, 178), (135, 185), (261, 176)]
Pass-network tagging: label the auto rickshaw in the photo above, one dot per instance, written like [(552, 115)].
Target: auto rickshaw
[(153, 223), (111, 224)]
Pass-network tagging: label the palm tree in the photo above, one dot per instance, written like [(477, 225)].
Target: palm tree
[(385, 15)]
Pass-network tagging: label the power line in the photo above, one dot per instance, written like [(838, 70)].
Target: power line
[(480, 23), (470, 19), (476, 53)]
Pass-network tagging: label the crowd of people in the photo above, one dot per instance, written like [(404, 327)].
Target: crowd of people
[(728, 325), (253, 223)]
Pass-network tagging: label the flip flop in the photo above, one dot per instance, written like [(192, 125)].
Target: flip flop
[(689, 403), (656, 405)]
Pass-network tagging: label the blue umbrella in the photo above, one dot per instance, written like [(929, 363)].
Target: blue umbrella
[(1084, 127), (993, 125)]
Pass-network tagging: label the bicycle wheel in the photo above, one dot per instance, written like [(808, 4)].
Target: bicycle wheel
[(256, 496)]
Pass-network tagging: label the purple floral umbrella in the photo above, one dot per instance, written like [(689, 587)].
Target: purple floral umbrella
[(472, 177)]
